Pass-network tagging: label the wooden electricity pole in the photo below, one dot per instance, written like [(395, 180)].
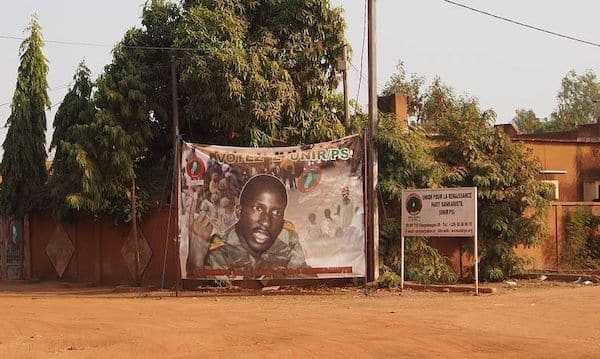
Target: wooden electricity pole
[(372, 172), (346, 94), (177, 164)]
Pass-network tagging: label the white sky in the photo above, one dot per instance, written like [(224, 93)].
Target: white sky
[(505, 66)]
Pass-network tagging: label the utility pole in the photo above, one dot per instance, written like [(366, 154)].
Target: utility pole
[(177, 164), (134, 233), (372, 172), (343, 66), (175, 121)]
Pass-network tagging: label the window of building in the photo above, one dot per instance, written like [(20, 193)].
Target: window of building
[(591, 191)]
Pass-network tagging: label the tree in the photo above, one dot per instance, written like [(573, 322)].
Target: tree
[(512, 202), (76, 109), (577, 101), (248, 73), (23, 166), (426, 105), (439, 103), (407, 161), (527, 122), (412, 86), (263, 70), (101, 150)]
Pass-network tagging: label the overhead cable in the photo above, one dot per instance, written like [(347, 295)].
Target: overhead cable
[(531, 27)]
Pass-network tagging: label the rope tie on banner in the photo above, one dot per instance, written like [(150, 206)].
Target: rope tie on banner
[(162, 282)]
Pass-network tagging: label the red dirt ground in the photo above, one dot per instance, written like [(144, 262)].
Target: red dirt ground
[(547, 320)]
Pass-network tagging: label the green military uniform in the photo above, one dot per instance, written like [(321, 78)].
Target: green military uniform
[(232, 253), (346, 214)]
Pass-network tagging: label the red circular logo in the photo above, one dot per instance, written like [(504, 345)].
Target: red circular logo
[(414, 204), (194, 166)]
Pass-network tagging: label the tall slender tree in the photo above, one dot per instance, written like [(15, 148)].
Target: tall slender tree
[(76, 109), (23, 166)]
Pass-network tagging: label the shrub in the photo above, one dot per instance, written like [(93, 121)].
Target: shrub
[(582, 247)]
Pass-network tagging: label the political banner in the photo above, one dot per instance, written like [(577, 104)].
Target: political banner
[(281, 212)]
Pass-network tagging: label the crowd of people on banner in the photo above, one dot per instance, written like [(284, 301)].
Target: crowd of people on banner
[(218, 194), (342, 226)]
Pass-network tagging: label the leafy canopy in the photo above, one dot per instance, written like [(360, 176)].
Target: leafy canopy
[(23, 166), (250, 73), (455, 144)]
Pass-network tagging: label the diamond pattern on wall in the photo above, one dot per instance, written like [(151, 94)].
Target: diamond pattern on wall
[(128, 253), (60, 249)]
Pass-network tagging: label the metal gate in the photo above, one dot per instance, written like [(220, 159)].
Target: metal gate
[(12, 248)]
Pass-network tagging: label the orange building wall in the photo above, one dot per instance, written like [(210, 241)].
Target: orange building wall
[(545, 256), (577, 159)]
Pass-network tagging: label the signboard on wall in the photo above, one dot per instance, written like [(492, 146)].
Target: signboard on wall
[(286, 212), (444, 212)]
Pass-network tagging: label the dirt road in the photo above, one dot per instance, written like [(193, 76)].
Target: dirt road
[(551, 321)]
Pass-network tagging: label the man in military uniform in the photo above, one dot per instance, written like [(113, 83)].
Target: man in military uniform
[(260, 240)]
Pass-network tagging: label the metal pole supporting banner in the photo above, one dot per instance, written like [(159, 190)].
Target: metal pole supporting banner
[(134, 233), (401, 262), (366, 211), (167, 239), (475, 247)]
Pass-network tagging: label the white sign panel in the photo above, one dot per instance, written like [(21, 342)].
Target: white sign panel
[(443, 212)]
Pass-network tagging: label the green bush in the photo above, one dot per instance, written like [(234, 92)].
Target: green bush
[(388, 278), (581, 249), (423, 263)]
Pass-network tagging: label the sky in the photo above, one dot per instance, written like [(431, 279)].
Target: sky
[(505, 66)]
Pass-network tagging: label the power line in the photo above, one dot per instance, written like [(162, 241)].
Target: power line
[(57, 87), (362, 52), (135, 47), (550, 32), (51, 107), (362, 77), (57, 42)]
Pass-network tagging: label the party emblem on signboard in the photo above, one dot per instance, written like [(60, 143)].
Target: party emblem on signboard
[(309, 179), (414, 204), (194, 166)]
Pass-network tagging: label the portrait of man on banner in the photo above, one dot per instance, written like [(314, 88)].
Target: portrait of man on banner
[(286, 212), (261, 238)]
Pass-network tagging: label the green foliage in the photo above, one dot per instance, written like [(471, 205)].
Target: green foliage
[(511, 200), (527, 122), (264, 70), (253, 72), (406, 161), (66, 174), (463, 150), (101, 152), (500, 262), (23, 166), (410, 85), (425, 264), (582, 246), (577, 101), (388, 278), (439, 103)]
